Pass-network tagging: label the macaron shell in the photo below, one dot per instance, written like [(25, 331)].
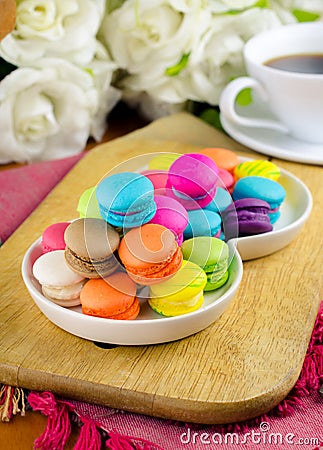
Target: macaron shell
[(221, 201), (258, 167), (163, 161), (88, 204), (168, 309), (91, 238), (202, 222), (223, 157), (126, 199), (50, 269), (171, 214), (53, 237), (205, 251), (108, 297), (167, 271), (260, 187), (215, 283), (193, 175), (147, 247), (158, 179), (188, 282)]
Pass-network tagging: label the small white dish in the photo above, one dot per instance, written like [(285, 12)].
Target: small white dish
[(295, 210), (149, 327), (271, 142)]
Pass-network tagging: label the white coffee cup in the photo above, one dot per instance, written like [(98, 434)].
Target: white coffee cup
[(294, 98)]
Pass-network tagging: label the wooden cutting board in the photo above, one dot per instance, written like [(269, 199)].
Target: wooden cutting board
[(237, 368)]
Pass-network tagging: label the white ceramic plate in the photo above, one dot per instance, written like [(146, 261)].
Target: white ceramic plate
[(271, 142), (295, 210), (149, 327)]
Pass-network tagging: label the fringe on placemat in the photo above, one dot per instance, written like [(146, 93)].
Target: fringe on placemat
[(12, 402), (93, 436)]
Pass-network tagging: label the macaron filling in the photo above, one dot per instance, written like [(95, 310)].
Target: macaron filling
[(89, 266)]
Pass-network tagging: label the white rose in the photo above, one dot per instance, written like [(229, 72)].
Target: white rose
[(213, 60), (48, 111), (53, 28), (223, 6), (147, 37), (218, 57)]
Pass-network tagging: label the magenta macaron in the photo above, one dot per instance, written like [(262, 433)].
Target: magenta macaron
[(172, 215), (53, 237), (192, 180)]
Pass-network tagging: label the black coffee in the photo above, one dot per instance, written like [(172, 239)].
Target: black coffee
[(303, 63)]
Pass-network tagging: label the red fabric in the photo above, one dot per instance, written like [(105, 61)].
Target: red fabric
[(23, 188)]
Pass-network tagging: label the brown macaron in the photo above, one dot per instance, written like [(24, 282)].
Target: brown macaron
[(90, 247)]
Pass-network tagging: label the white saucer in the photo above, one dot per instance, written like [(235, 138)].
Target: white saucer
[(271, 142)]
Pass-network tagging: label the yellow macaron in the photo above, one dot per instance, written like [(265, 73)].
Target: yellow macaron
[(181, 294)]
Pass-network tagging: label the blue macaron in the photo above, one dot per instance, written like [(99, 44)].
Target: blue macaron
[(221, 200), (202, 222), (126, 199), (264, 189)]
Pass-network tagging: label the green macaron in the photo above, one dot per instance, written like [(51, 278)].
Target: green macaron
[(212, 255)]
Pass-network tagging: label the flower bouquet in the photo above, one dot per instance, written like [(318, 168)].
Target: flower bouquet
[(68, 63)]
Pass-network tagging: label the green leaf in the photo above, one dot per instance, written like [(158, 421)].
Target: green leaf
[(5, 68), (261, 4), (305, 16), (244, 98), (212, 117), (177, 68)]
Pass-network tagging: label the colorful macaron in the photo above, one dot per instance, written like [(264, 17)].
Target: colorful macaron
[(162, 161), (257, 167), (246, 217), (113, 297), (150, 254), (158, 179), (226, 179), (126, 199), (88, 205), (171, 214), (264, 189), (181, 294), (223, 157), (203, 222), (221, 201), (53, 237), (212, 255), (90, 247), (192, 180), (58, 282)]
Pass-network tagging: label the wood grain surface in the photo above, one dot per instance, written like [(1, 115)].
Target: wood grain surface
[(7, 17), (237, 368)]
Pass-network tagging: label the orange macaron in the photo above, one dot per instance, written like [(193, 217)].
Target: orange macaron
[(113, 297), (223, 157), (150, 254)]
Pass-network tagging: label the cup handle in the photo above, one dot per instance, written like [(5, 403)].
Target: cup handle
[(227, 104)]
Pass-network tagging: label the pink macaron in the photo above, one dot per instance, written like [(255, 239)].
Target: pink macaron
[(225, 180), (192, 180), (53, 237), (172, 215), (158, 179)]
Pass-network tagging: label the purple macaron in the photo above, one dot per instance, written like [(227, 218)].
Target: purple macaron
[(192, 180), (246, 217)]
